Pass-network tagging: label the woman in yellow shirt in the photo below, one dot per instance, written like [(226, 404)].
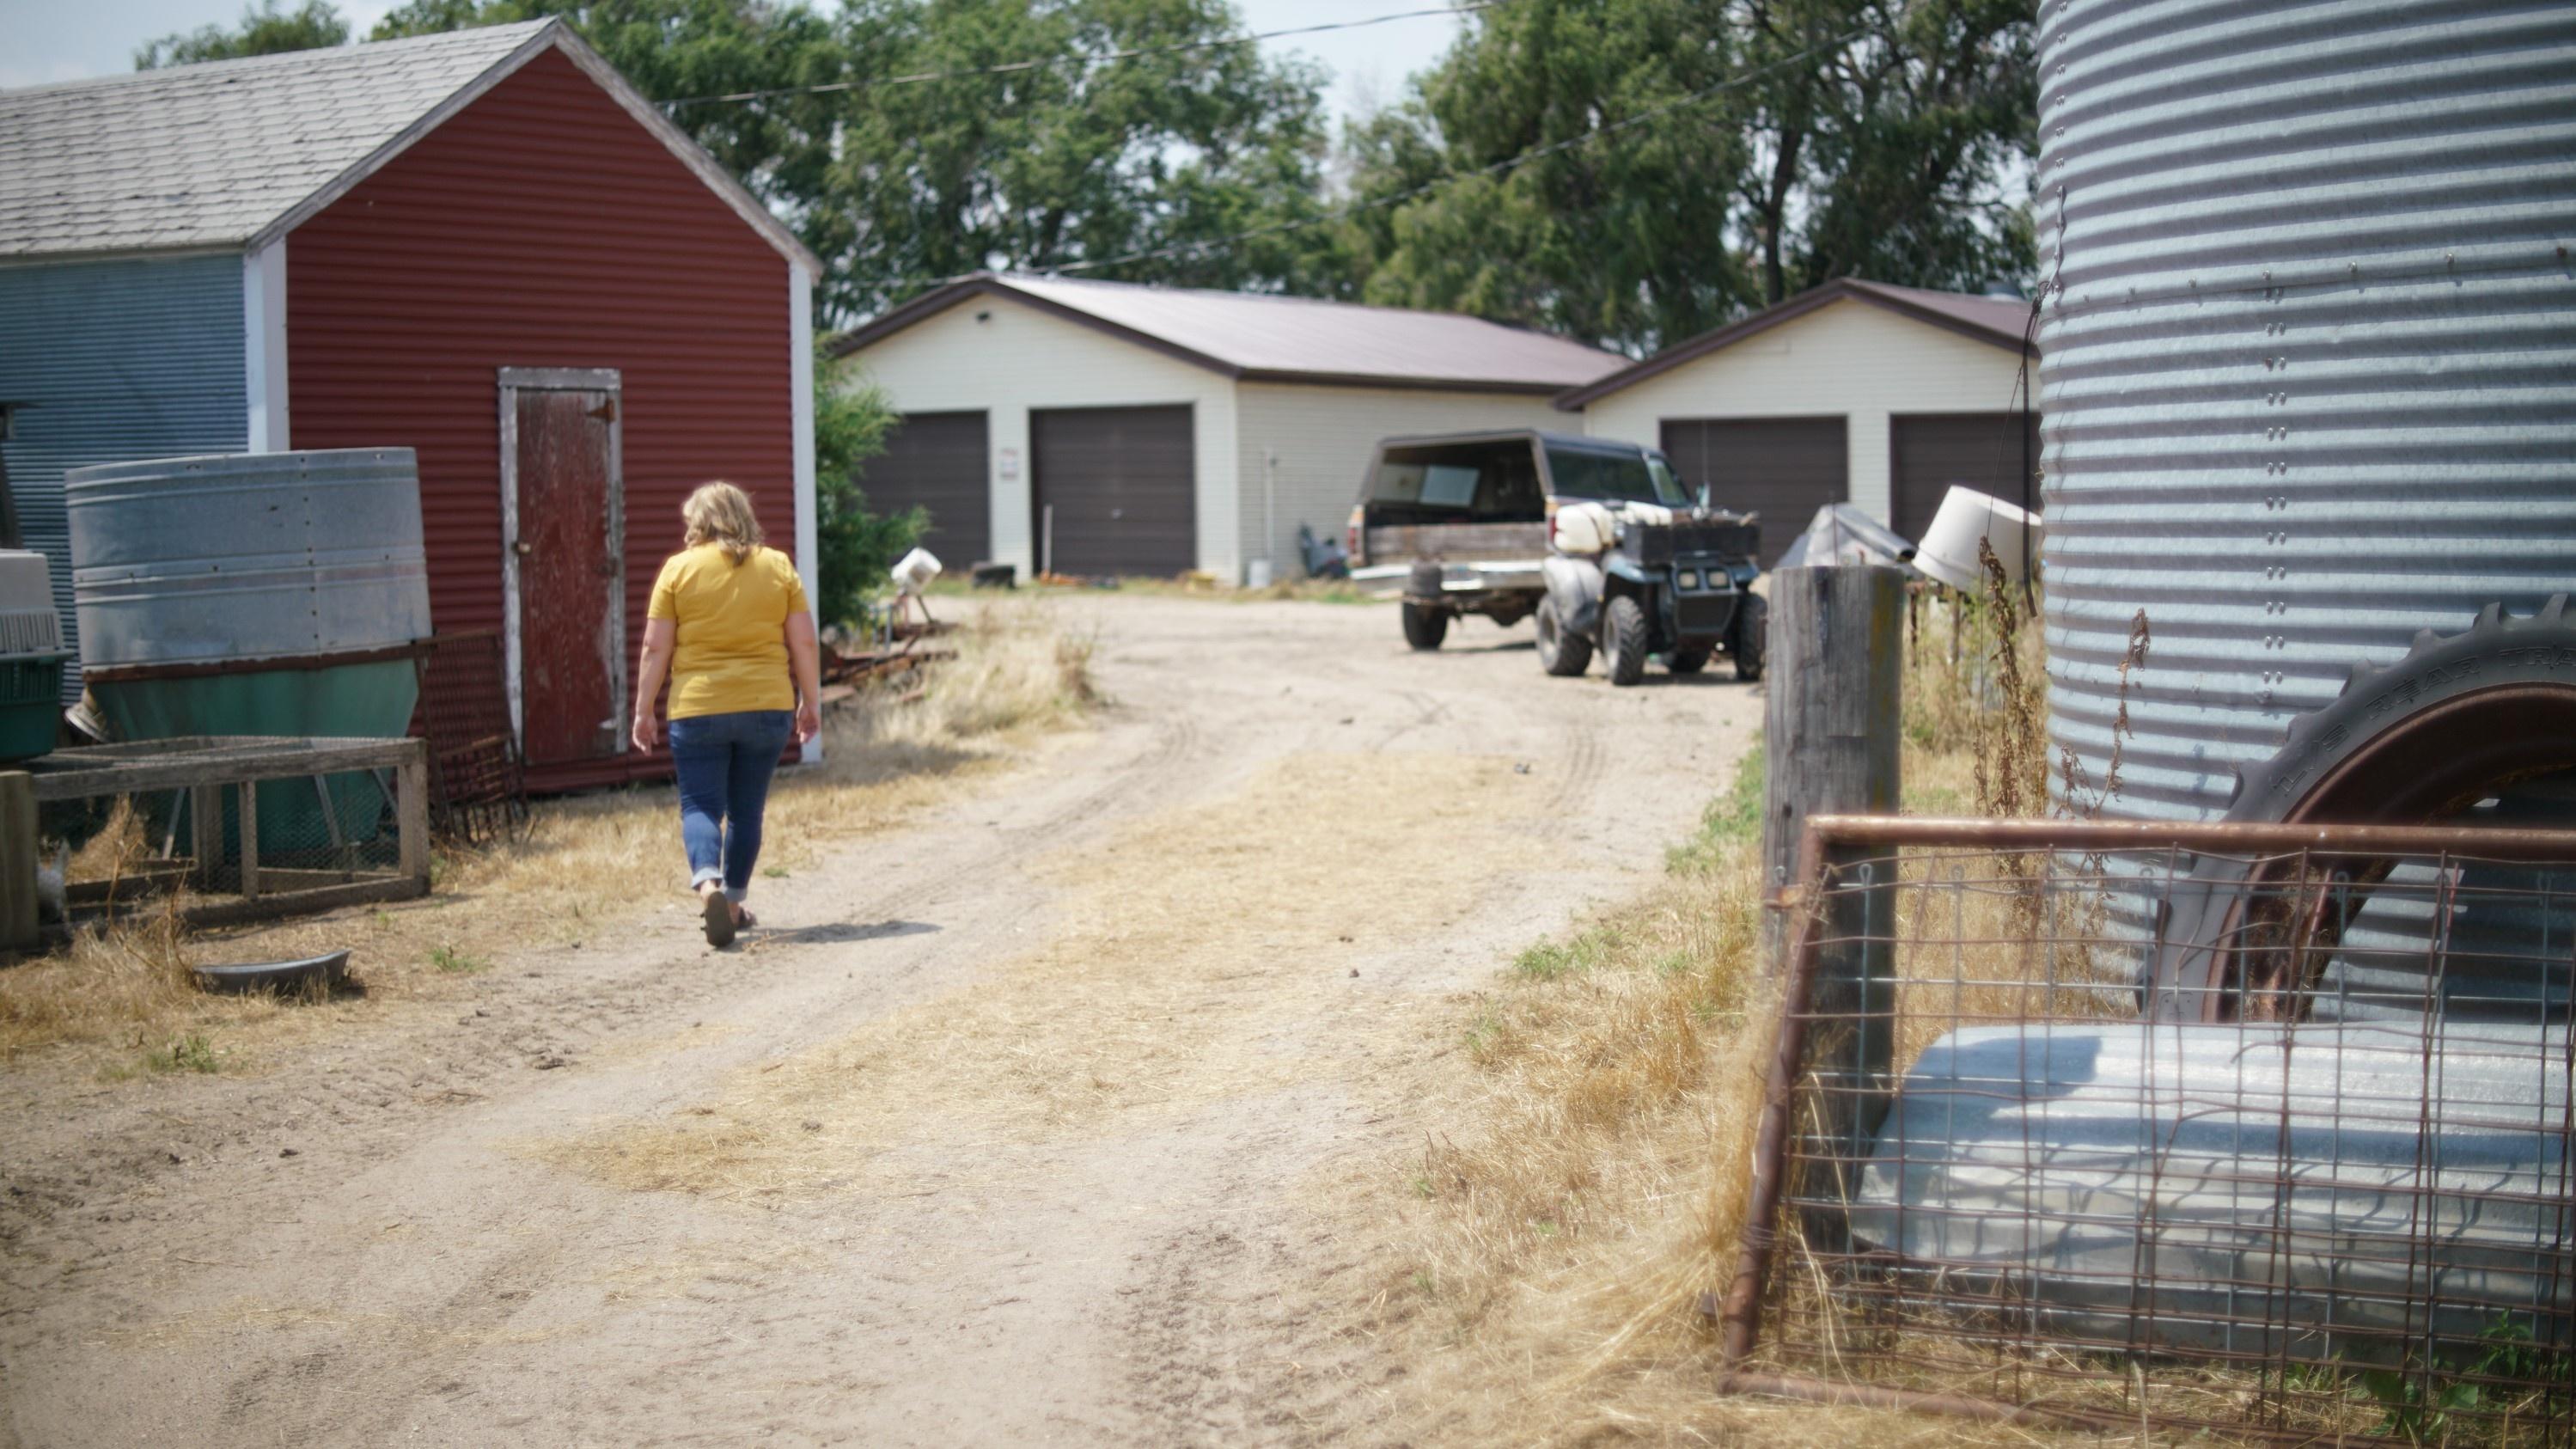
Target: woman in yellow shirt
[(730, 626)]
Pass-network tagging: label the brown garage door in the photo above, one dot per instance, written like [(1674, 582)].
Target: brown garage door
[(937, 462), (1122, 486), (1782, 468), (1927, 452)]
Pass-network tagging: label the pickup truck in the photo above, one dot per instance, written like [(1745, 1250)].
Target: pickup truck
[(1459, 522)]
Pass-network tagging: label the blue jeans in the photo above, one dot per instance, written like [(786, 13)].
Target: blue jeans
[(724, 762)]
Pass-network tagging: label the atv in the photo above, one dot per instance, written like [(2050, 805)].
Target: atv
[(1638, 581)]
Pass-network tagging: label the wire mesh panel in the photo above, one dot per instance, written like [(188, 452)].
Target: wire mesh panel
[(478, 783), (2298, 1180)]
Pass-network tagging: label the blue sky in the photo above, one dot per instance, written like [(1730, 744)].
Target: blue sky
[(50, 40)]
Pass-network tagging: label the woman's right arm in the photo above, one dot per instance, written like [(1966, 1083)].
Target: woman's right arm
[(659, 635)]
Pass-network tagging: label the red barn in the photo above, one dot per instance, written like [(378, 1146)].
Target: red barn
[(488, 247)]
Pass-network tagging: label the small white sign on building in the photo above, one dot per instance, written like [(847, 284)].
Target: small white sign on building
[(1010, 464)]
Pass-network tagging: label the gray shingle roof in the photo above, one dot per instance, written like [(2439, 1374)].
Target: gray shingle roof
[(1262, 337), (207, 155)]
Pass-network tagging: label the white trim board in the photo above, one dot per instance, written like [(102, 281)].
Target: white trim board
[(800, 387), (264, 374)]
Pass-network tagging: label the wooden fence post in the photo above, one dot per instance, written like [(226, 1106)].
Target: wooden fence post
[(1832, 726), (18, 927)]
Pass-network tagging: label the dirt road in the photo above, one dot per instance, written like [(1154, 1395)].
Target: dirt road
[(1014, 1125)]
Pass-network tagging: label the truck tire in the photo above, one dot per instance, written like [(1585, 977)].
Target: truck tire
[(2455, 719), (1623, 640), (1561, 652), (1750, 638), (1687, 661), (1425, 627)]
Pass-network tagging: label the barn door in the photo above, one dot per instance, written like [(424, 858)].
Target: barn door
[(563, 531)]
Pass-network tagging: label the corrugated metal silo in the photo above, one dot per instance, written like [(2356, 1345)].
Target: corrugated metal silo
[(2309, 357)]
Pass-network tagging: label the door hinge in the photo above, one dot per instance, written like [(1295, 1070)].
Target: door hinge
[(606, 412)]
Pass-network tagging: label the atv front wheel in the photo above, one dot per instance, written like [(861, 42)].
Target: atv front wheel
[(1623, 640), (1751, 638), (1425, 627), (1560, 652)]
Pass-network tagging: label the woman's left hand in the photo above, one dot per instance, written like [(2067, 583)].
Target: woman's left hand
[(648, 732), (809, 720)]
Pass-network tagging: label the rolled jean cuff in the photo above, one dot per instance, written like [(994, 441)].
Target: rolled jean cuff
[(737, 896), (705, 873)]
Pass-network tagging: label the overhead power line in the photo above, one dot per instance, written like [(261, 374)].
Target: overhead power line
[(1100, 58)]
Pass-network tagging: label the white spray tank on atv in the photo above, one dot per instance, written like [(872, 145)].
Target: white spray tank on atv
[(1577, 538)]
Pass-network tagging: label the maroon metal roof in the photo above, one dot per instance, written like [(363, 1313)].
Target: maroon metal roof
[(1999, 321), (1264, 338)]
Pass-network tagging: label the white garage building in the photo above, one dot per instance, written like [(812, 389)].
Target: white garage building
[(1122, 429), (1854, 392)]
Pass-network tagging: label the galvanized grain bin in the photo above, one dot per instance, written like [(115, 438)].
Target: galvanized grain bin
[(2309, 359)]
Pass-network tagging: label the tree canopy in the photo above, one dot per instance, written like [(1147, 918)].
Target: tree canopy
[(923, 167), (1754, 148), (1624, 171), (264, 30)]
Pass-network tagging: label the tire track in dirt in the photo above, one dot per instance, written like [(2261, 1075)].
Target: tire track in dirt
[(1140, 1275)]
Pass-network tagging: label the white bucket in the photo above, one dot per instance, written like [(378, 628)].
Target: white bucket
[(1947, 551), (1256, 574), (914, 571)]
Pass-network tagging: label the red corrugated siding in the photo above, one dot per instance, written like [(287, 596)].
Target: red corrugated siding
[(542, 227)]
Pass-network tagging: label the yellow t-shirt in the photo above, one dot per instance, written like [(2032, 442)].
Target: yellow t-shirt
[(731, 653)]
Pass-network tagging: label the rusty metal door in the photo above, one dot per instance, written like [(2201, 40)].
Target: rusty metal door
[(564, 529)]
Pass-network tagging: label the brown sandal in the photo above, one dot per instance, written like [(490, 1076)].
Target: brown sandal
[(717, 913)]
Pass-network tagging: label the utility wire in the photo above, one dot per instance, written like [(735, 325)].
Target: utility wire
[(1103, 58)]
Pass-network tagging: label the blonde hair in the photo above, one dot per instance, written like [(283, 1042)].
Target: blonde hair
[(719, 513)]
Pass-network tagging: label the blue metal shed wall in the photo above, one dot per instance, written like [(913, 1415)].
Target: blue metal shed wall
[(2309, 367), (113, 361)]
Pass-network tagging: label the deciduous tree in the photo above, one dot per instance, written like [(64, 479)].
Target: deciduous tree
[(264, 30)]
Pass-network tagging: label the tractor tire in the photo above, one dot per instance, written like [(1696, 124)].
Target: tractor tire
[(1425, 627), (1687, 661), (1750, 640), (1561, 651), (1623, 640), (2459, 717)]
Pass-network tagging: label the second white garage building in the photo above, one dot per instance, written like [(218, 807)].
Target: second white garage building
[(1163, 429), (1854, 392)]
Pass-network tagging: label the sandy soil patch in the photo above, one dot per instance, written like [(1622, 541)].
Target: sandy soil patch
[(1174, 933)]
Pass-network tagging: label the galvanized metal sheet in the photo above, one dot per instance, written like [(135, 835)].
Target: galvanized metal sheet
[(112, 360), (253, 556), (2308, 358), (2141, 1180)]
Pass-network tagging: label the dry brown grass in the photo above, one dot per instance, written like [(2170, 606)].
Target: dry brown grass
[(1563, 1257), (585, 865), (1169, 943)]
